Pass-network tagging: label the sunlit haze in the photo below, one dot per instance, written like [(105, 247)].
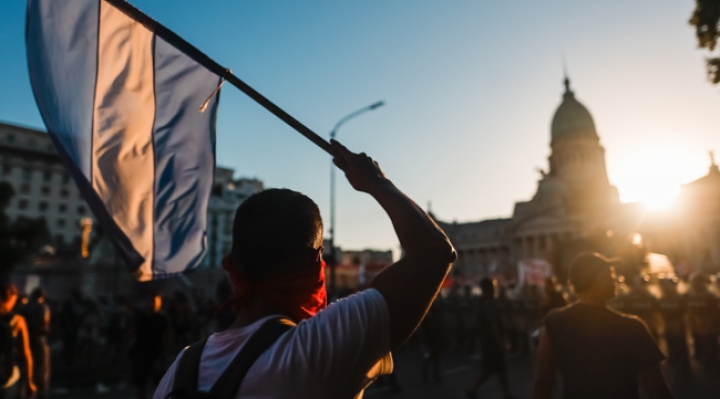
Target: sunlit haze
[(470, 89)]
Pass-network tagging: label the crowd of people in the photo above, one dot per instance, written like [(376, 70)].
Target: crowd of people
[(683, 316), (146, 333), (142, 335)]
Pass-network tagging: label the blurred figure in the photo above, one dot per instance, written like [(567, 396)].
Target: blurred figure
[(431, 334), (600, 353), (702, 306), (37, 314), (641, 303), (456, 306), (491, 341), (152, 339), (71, 319), (552, 298), (118, 331), (672, 310), (16, 362)]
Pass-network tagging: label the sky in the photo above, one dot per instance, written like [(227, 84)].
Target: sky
[(470, 88)]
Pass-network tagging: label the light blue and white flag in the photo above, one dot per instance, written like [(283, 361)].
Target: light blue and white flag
[(121, 104)]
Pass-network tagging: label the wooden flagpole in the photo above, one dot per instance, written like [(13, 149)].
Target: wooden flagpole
[(202, 59)]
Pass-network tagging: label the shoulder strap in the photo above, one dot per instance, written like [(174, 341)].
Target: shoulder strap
[(227, 385), (186, 374)]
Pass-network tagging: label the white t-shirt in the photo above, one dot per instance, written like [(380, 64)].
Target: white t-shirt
[(335, 354)]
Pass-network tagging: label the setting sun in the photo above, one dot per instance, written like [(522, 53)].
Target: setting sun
[(651, 170)]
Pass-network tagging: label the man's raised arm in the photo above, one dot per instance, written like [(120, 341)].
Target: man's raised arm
[(410, 285)]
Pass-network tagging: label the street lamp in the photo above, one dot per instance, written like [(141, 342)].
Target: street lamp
[(333, 133)]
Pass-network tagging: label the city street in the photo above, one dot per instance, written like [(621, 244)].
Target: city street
[(460, 370)]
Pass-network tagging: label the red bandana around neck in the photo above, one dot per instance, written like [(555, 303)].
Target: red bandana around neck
[(301, 294)]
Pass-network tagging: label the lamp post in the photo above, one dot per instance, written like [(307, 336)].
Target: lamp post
[(333, 133)]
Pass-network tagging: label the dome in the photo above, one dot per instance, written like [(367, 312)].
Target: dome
[(571, 118)]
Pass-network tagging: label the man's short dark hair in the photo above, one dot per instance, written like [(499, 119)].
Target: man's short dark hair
[(586, 267), (272, 228)]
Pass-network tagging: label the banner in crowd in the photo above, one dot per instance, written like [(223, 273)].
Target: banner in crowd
[(533, 272)]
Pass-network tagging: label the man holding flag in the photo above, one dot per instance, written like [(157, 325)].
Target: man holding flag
[(131, 108), (277, 271)]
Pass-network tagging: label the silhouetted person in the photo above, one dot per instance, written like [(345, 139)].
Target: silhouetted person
[(152, 337), (492, 345), (277, 272), (16, 363), (702, 308), (431, 335), (37, 315), (672, 309), (552, 298), (641, 303), (599, 352), (74, 310)]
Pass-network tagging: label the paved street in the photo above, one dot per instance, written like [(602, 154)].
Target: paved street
[(458, 371)]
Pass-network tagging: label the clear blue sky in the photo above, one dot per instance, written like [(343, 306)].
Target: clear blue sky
[(470, 89)]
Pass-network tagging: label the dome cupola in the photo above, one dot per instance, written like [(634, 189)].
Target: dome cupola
[(571, 119)]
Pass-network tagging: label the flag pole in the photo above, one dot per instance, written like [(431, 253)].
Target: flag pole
[(202, 59)]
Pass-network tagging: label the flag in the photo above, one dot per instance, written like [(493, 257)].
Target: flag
[(121, 104)]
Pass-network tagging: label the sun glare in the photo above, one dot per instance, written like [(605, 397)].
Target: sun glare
[(651, 171)]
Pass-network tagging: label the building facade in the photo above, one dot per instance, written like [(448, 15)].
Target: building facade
[(43, 189), (573, 200)]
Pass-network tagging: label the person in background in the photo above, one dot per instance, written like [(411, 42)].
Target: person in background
[(37, 315), (431, 335), (152, 339), (16, 362), (672, 309), (553, 298), (600, 353), (702, 307), (492, 345)]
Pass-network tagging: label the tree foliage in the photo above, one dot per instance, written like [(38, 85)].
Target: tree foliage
[(19, 238), (706, 20)]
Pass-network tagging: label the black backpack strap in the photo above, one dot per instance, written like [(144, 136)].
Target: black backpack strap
[(186, 373), (227, 385)]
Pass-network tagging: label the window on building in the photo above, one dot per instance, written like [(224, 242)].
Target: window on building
[(27, 173), (11, 138), (60, 223), (81, 209), (64, 193), (23, 204), (42, 206), (45, 190), (6, 169), (66, 178), (62, 208), (47, 175), (25, 189)]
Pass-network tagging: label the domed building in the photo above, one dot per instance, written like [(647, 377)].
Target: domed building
[(574, 199)]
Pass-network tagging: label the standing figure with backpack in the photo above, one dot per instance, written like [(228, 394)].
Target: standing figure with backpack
[(285, 342), (16, 363)]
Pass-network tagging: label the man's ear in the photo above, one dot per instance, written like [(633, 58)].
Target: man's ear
[(320, 251)]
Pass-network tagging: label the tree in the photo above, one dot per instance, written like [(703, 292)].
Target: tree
[(706, 20), (18, 238)]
